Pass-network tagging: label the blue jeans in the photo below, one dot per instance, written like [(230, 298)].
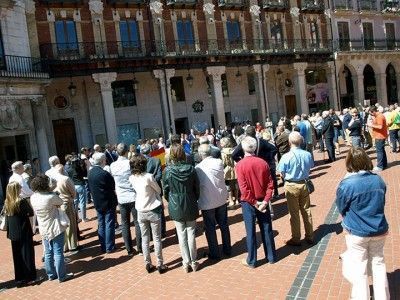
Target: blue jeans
[(106, 229), (212, 217), (54, 257), (126, 210), (80, 200), (394, 138), (250, 214), (355, 140), (381, 159)]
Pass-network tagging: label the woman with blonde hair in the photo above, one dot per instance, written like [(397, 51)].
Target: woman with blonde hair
[(229, 170), (19, 231)]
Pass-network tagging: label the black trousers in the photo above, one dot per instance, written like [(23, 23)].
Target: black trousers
[(126, 210), (330, 148), (24, 259)]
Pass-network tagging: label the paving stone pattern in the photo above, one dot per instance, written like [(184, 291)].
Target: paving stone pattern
[(301, 273)]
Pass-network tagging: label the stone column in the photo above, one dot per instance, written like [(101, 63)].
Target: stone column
[(156, 8), (300, 86), (260, 89), (209, 9), (332, 86), (167, 108), (105, 80), (256, 24), (41, 122), (295, 14), (358, 83), (96, 9), (216, 93), (381, 89), (398, 86)]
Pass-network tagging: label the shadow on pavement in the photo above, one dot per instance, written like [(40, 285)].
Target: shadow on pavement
[(394, 287)]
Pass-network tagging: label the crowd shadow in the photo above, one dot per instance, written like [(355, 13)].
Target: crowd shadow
[(393, 163), (320, 167), (317, 175)]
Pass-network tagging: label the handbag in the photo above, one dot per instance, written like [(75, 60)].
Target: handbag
[(63, 218), (3, 220), (309, 185)]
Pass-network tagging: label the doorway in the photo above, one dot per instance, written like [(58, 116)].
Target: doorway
[(65, 137), (290, 102), (181, 125)]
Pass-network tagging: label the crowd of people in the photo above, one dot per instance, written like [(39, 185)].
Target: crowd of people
[(205, 173)]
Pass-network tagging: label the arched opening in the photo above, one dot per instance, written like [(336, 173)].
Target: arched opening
[(369, 85), (391, 84), (346, 88)]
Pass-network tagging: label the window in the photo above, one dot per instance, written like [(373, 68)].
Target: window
[(233, 31), (129, 34), (344, 37), (251, 83), (276, 35), (390, 36), (314, 34), (2, 60), (177, 89), (185, 32), (123, 93), (225, 91), (128, 133), (368, 35), (67, 41)]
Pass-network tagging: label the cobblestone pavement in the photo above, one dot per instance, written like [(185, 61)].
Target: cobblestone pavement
[(303, 273)]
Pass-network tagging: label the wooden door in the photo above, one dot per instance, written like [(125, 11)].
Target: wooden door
[(290, 101), (65, 137)]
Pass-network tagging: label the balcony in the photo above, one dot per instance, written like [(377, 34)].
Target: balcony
[(23, 67), (178, 3), (390, 6), (367, 5), (312, 5), (94, 52), (343, 5), (232, 3), (275, 4), (367, 45)]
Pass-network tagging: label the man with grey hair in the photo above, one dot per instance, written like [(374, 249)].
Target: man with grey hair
[(52, 173), (126, 196), (18, 169), (212, 201), (256, 188), (295, 167), (102, 186), (215, 151)]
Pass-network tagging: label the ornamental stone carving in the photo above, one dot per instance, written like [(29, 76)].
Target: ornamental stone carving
[(96, 7), (327, 13), (156, 7), (295, 12), (255, 10), (10, 114), (208, 8)]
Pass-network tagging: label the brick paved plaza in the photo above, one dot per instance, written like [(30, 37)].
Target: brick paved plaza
[(300, 273)]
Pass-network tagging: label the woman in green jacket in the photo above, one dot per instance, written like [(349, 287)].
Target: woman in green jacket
[(181, 189)]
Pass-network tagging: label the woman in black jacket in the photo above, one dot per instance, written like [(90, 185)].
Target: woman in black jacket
[(19, 231), (355, 127), (181, 189)]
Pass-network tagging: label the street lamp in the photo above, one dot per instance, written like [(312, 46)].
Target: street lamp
[(135, 82), (189, 79), (72, 89)]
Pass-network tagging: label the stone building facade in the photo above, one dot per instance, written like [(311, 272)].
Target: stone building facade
[(80, 72)]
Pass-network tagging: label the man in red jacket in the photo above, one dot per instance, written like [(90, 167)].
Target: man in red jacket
[(256, 188)]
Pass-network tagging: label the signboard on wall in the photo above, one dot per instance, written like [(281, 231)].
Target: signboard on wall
[(317, 93)]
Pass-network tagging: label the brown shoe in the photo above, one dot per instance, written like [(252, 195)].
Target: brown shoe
[(291, 242)]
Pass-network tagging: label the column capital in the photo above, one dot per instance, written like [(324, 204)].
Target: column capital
[(216, 72), (300, 68), (170, 73), (104, 79), (158, 74), (96, 7)]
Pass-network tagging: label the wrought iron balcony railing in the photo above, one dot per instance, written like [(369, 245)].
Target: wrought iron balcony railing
[(23, 67), (312, 5), (368, 45), (275, 4), (232, 3), (87, 52), (390, 6), (182, 2), (343, 4), (367, 5)]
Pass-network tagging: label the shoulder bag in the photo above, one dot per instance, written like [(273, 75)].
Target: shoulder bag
[(3, 220)]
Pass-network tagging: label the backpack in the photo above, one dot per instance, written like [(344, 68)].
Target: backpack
[(229, 165), (396, 119)]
